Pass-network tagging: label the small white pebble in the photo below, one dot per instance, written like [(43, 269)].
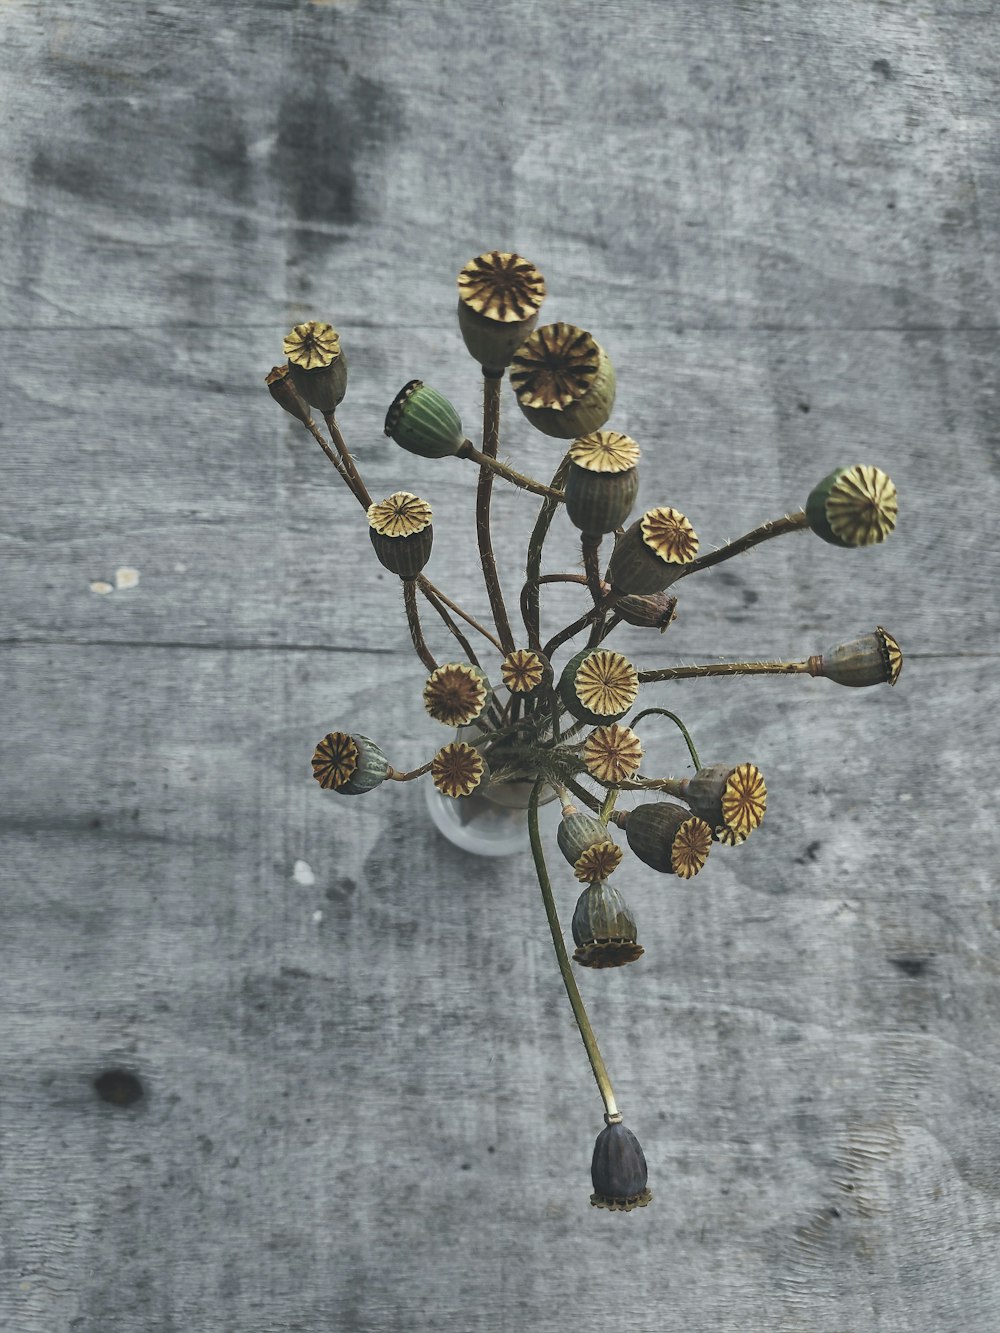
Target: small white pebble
[(126, 577), (100, 586), (317, 916), (303, 873)]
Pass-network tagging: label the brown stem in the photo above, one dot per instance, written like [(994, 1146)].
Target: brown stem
[(348, 480), (393, 776), (776, 527), (439, 608), (529, 595), (726, 669), (413, 620), (491, 440), (607, 601), (591, 545), (360, 490), (469, 450), (425, 583)]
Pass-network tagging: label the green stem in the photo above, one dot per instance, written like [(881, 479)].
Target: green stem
[(726, 669), (565, 967), (775, 527), (469, 450), (673, 718)]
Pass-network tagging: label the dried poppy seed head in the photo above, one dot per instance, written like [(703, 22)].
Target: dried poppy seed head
[(733, 797), (598, 685), (456, 694), (317, 364), (602, 481), (564, 381), (604, 929), (283, 391), (613, 753), (873, 659), (524, 670), (599, 861), (401, 533), (653, 552), (853, 506), (499, 297), (618, 1171), (667, 838), (457, 769), (577, 831), (348, 764), (656, 610), (423, 422), (605, 451)]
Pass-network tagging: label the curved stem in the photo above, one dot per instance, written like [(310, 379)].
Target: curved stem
[(591, 546), (674, 718), (775, 527), (569, 981), (491, 439), (469, 450), (582, 794), (726, 669), (413, 620), (529, 595), (598, 609), (427, 587)]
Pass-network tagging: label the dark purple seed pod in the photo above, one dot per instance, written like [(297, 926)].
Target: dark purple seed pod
[(604, 929), (667, 837), (618, 1171)]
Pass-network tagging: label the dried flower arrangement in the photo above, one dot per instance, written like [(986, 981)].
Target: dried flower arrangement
[(564, 384)]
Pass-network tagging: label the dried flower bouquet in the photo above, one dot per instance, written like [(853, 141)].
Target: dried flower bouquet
[(559, 729)]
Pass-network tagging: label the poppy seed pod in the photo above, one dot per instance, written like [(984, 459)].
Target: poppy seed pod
[(577, 831), (598, 685), (563, 380), (456, 694), (727, 797), (423, 422), (667, 837), (655, 610), (618, 1171), (402, 533), (283, 391), (853, 506), (602, 481), (524, 670), (348, 764), (499, 297), (604, 929), (874, 659), (652, 552), (317, 364)]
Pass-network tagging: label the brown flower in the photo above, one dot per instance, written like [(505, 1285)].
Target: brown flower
[(456, 694), (501, 286), (612, 753), (523, 670), (862, 505), (399, 515), (335, 759), (605, 451), (606, 683), (668, 533), (457, 769), (691, 846), (744, 799), (598, 862), (312, 346)]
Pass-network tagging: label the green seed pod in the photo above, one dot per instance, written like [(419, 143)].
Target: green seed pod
[(604, 929), (499, 297), (578, 831), (317, 364), (874, 659), (667, 837), (402, 533), (348, 764), (652, 552), (602, 481), (423, 422), (598, 686), (730, 799), (618, 1171), (655, 610), (564, 381), (853, 506)]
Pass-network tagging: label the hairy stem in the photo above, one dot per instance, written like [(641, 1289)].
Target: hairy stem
[(529, 597), (469, 450), (775, 527), (726, 669), (413, 620), (674, 718), (491, 440)]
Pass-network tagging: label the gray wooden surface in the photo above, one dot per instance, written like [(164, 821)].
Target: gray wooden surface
[(365, 1106)]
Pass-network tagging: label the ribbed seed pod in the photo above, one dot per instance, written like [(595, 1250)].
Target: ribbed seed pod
[(458, 769), (652, 552), (499, 297), (283, 391), (598, 862), (668, 838), (613, 753), (524, 670), (317, 364), (402, 533), (348, 764), (423, 422), (577, 831), (604, 929), (728, 797), (456, 694), (874, 659), (602, 481), (655, 610), (618, 1171), (564, 381), (598, 685), (853, 506)]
